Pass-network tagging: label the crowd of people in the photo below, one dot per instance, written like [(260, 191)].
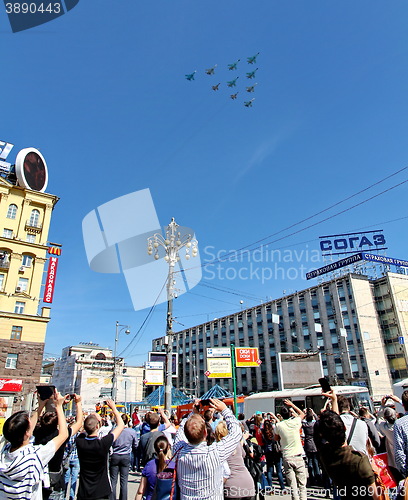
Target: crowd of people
[(209, 455)]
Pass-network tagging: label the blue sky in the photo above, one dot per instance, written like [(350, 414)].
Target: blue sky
[(101, 92)]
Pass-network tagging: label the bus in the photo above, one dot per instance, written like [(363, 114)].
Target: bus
[(306, 397)]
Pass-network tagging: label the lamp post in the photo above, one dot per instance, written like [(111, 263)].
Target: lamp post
[(119, 328), (194, 390), (172, 243)]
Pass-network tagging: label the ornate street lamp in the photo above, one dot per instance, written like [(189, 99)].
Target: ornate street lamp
[(172, 243)]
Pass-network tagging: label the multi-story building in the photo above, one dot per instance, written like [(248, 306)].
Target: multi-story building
[(359, 325), (87, 369), (25, 216)]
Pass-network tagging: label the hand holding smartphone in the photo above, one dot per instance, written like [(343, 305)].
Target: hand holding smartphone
[(324, 384)]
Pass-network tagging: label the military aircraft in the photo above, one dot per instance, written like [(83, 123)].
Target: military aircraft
[(215, 87), (251, 74), (234, 96), (211, 71), (248, 104), (251, 88), (252, 60), (233, 65), (190, 77), (233, 83)]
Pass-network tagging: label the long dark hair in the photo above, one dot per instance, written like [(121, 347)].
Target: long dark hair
[(161, 446), (268, 430)]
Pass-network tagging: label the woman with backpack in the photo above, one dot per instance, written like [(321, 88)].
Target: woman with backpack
[(153, 467), (273, 454)]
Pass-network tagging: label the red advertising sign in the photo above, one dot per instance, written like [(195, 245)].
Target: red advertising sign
[(246, 357), (10, 385), (50, 282)]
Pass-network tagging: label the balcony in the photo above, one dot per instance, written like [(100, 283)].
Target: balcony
[(33, 226), (4, 264)]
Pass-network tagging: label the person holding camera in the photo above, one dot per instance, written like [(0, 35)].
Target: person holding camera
[(23, 466), (94, 483)]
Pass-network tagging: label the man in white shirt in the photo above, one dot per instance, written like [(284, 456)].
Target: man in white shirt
[(199, 466), (288, 433), (356, 434)]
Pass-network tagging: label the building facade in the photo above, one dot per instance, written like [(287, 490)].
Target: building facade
[(25, 217), (87, 369), (358, 325)]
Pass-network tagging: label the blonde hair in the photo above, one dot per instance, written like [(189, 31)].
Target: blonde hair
[(221, 430)]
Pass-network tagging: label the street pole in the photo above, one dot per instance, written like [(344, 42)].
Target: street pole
[(114, 380), (114, 377), (169, 347), (172, 244), (234, 380)]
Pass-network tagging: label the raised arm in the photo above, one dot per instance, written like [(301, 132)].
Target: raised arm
[(120, 425), (228, 443), (79, 415), (36, 413), (62, 423), (165, 418), (300, 413), (332, 397)]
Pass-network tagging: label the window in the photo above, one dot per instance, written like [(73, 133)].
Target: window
[(22, 284), (12, 211), (34, 218), (7, 233), (30, 238), (19, 309), (27, 260), (16, 332), (11, 361), (1, 281)]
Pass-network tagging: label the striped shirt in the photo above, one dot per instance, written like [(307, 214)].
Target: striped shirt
[(200, 467), (401, 444), (22, 471)]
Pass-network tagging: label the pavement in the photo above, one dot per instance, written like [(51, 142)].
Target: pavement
[(275, 494)]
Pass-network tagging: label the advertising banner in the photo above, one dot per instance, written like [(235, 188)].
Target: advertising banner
[(161, 357), (245, 357), (10, 385), (154, 377), (50, 281), (219, 368), (218, 352)]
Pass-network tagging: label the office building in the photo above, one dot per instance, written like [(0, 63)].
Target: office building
[(359, 325), (87, 369)]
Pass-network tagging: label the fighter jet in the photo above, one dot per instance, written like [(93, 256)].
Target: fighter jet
[(211, 71), (234, 96), (248, 104), (251, 88), (233, 83), (233, 65), (190, 77), (215, 87), (252, 60), (251, 74)]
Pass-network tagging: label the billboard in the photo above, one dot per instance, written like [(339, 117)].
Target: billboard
[(31, 170), (299, 369), (358, 257), (154, 377), (218, 352), (246, 357), (340, 244), (219, 368), (161, 356), (50, 281)]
